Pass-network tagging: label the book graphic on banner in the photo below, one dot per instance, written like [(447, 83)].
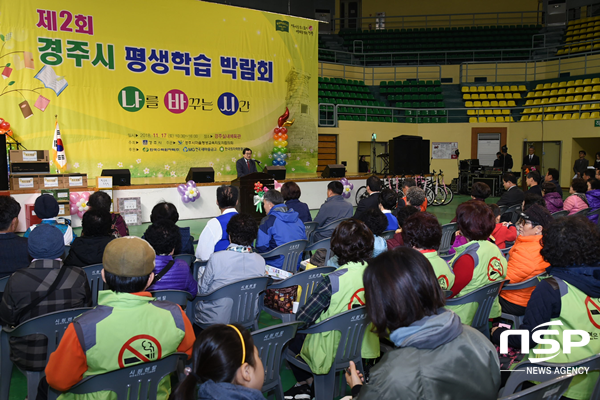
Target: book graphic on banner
[(41, 103), (52, 81)]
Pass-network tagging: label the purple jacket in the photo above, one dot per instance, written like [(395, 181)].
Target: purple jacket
[(554, 202), (179, 276), (593, 198)]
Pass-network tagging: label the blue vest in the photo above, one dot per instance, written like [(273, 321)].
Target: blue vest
[(224, 220)]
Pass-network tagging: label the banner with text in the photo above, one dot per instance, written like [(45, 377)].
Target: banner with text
[(159, 87)]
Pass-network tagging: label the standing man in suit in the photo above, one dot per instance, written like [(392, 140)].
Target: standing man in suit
[(581, 164), (373, 189), (531, 158), (507, 161), (513, 194), (245, 165)]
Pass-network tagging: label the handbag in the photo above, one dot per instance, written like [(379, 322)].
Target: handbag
[(281, 300)]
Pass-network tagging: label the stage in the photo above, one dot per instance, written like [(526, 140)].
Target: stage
[(155, 190)]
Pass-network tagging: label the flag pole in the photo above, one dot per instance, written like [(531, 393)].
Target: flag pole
[(55, 163)]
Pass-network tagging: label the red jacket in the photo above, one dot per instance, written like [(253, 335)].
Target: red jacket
[(504, 234)]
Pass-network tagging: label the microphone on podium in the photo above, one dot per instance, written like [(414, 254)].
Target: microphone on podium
[(256, 161)]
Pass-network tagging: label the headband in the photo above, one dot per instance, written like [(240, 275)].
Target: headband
[(243, 344)]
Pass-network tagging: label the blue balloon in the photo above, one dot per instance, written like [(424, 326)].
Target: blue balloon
[(275, 162), (283, 163)]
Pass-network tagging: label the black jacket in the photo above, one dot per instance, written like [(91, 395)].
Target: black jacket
[(581, 165), (368, 202), (242, 167), (511, 197), (14, 254), (537, 189), (535, 160), (87, 250)]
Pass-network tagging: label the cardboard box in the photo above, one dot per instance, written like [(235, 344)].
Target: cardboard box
[(24, 182), (52, 182), (61, 195), (28, 155), (64, 210), (76, 180)]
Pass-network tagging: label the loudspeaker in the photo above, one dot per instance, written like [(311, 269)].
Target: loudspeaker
[(409, 155), (425, 157), (3, 166), (201, 175), (39, 167), (334, 171), (278, 172), (121, 177)]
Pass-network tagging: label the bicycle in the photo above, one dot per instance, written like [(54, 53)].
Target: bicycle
[(449, 194)]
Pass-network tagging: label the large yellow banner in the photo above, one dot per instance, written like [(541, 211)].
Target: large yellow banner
[(159, 86)]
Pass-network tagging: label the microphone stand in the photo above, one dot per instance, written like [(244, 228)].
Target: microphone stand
[(260, 165)]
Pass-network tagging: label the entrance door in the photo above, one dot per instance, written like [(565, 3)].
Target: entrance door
[(549, 153), (349, 14)]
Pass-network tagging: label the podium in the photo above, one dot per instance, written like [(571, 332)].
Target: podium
[(524, 175), (245, 186)]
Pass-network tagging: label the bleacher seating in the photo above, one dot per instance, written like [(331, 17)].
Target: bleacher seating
[(442, 39), (581, 35), (482, 98)]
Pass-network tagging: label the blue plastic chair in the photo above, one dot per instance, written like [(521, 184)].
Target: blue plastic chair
[(595, 212), (67, 250), (308, 280), (244, 293), (516, 379), (484, 297), (515, 213), (559, 214), (505, 252), (584, 212), (180, 297), (94, 275), (3, 283), (271, 342), (352, 325), (321, 244), (291, 251), (188, 258), (196, 267), (53, 326), (139, 382), (517, 320), (329, 227), (310, 227), (550, 390), (388, 235), (448, 231)]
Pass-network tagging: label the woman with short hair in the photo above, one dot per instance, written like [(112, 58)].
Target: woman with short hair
[(577, 201), (404, 301), (291, 194)]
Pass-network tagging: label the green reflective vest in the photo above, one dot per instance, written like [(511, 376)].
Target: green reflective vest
[(490, 266), (441, 268), (125, 330), (575, 313), (347, 290)]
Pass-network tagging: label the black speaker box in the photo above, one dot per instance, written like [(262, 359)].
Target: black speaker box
[(334, 171), (409, 155), (121, 177), (278, 172), (3, 166), (201, 175), (38, 167)]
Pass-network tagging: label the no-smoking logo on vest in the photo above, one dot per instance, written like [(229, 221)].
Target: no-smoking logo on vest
[(139, 349), (593, 311), (495, 269), (356, 298), (443, 282)]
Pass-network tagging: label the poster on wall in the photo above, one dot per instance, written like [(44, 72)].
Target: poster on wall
[(444, 150), (191, 84)]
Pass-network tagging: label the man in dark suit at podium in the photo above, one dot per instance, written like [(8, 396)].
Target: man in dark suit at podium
[(245, 165), (531, 158)]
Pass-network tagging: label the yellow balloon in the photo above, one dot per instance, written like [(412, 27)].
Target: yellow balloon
[(284, 143)]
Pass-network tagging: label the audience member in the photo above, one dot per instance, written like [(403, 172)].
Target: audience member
[(533, 182), (580, 165), (169, 274), (478, 262), (552, 176), (524, 260), (217, 369), (127, 311), (404, 302), (597, 161), (532, 198), (513, 194), (504, 231), (291, 193), (101, 200), (376, 221), (168, 211), (352, 242), (415, 196), (577, 201), (401, 214), (406, 185), (334, 208), (13, 248), (553, 199), (423, 232), (45, 286), (279, 227), (46, 208), (95, 235), (593, 198), (498, 160), (214, 235), (371, 201), (480, 191), (388, 199), (588, 174), (237, 262), (570, 246)]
